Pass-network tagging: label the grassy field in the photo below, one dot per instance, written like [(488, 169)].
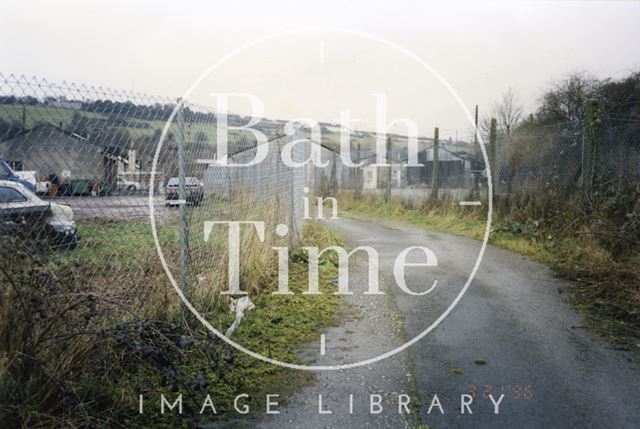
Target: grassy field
[(36, 114), (605, 287), (141, 130)]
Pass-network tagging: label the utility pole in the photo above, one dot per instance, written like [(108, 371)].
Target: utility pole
[(435, 179), (591, 128), (492, 155), (387, 192)]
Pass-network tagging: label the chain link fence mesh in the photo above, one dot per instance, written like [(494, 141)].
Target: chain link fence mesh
[(87, 155), (92, 149), (556, 158)]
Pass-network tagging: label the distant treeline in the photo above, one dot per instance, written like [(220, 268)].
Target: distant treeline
[(124, 109)]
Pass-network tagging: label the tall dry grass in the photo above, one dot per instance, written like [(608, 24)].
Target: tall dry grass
[(77, 331)]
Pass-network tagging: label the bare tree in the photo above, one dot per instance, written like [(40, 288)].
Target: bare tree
[(508, 111)]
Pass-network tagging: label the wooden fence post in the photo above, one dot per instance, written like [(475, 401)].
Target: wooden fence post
[(591, 135), (493, 136)]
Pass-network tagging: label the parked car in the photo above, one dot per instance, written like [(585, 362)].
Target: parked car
[(7, 173), (21, 208), (42, 186), (194, 189), (29, 176), (128, 185)]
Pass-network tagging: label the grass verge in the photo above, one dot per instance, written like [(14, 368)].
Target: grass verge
[(81, 340), (605, 286), (277, 328)]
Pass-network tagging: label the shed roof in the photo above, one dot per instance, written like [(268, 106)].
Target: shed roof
[(112, 153)]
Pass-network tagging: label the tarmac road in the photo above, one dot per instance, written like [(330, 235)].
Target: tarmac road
[(512, 333), (114, 207)]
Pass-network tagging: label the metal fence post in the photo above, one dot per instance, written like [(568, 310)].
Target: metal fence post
[(292, 210), (511, 163), (334, 173), (435, 175), (359, 178), (387, 192), (182, 199), (477, 153)]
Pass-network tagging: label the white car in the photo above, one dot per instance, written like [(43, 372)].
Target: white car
[(194, 191), (42, 186), (22, 209), (125, 184), (29, 176)]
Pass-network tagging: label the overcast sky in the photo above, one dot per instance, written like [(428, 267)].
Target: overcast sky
[(479, 48)]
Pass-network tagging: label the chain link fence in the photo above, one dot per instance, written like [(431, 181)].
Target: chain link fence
[(81, 166), (562, 158), (88, 154)]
